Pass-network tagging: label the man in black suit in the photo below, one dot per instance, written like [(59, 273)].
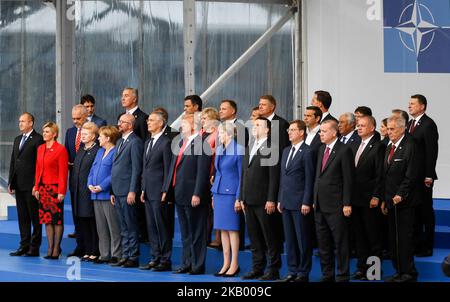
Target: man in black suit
[(156, 164), (130, 97), (332, 202), (295, 203), (189, 177), (261, 170), (361, 111), (367, 195), (348, 134), (88, 102), (279, 135), (425, 133), (21, 182), (312, 117), (400, 195), (323, 99)]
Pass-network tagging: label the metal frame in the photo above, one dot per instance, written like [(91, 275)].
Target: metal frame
[(189, 29)]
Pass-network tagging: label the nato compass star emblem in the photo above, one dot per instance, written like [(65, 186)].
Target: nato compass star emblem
[(415, 39)]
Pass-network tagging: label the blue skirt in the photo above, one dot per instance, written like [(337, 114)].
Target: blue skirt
[(225, 218)]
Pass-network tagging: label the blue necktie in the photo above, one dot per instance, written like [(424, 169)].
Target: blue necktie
[(22, 142)]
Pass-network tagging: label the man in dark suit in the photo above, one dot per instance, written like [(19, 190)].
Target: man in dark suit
[(323, 99), (332, 202), (312, 117), (295, 203), (189, 178), (21, 181), (125, 184), (130, 98), (73, 143), (279, 135), (155, 170), (367, 195), (348, 134), (261, 169), (425, 133), (400, 195), (88, 101)]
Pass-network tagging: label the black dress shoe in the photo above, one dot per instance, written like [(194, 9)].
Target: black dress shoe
[(131, 263), (119, 262), (392, 278), (149, 265), (162, 267), (182, 270), (19, 252), (270, 276), (359, 275), (302, 279), (113, 260), (424, 253), (288, 278), (199, 272), (406, 278), (219, 274), (252, 275), (31, 254), (327, 279), (100, 261)]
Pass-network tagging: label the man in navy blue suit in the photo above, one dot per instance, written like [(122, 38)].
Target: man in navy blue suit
[(156, 165), (295, 203), (73, 144), (88, 101), (189, 177)]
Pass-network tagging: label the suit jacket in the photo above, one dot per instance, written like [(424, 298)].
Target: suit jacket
[(283, 137), (426, 137), (170, 132), (259, 182), (333, 185), (82, 203), (400, 176), (52, 167), (71, 136), (155, 168), (369, 174), (192, 175), (242, 136), (297, 180), (329, 117), (100, 174), (127, 166), (98, 121), (23, 163), (353, 142), (228, 169), (140, 126)]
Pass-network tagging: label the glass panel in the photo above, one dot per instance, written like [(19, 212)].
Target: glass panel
[(27, 69)]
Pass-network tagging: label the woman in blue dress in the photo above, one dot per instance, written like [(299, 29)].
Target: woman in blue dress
[(227, 179)]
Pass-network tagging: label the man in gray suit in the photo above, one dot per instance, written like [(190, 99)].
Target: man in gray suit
[(125, 183)]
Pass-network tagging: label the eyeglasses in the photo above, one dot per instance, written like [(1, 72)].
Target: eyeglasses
[(291, 130), (122, 122)]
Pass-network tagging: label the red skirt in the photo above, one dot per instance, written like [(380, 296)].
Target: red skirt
[(50, 208)]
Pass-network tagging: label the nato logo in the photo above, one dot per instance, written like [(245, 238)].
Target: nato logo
[(416, 36)]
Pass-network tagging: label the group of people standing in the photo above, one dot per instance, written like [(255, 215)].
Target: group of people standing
[(295, 185)]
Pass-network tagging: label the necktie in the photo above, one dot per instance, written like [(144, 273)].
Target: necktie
[(325, 158), (391, 153), (253, 152), (78, 140), (149, 147), (22, 141), (120, 145), (358, 153), (180, 155), (343, 139), (413, 125), (290, 157)]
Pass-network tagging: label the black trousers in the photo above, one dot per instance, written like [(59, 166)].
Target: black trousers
[(141, 221), (424, 223), (88, 235), (159, 230), (333, 234), (366, 223), (264, 238), (28, 215), (401, 240)]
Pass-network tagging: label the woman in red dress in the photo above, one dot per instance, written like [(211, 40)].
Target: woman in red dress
[(50, 187)]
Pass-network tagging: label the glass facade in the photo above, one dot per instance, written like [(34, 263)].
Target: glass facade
[(27, 69)]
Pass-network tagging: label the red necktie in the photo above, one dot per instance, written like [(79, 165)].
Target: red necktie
[(183, 147), (391, 153), (325, 158), (413, 125), (78, 140)]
